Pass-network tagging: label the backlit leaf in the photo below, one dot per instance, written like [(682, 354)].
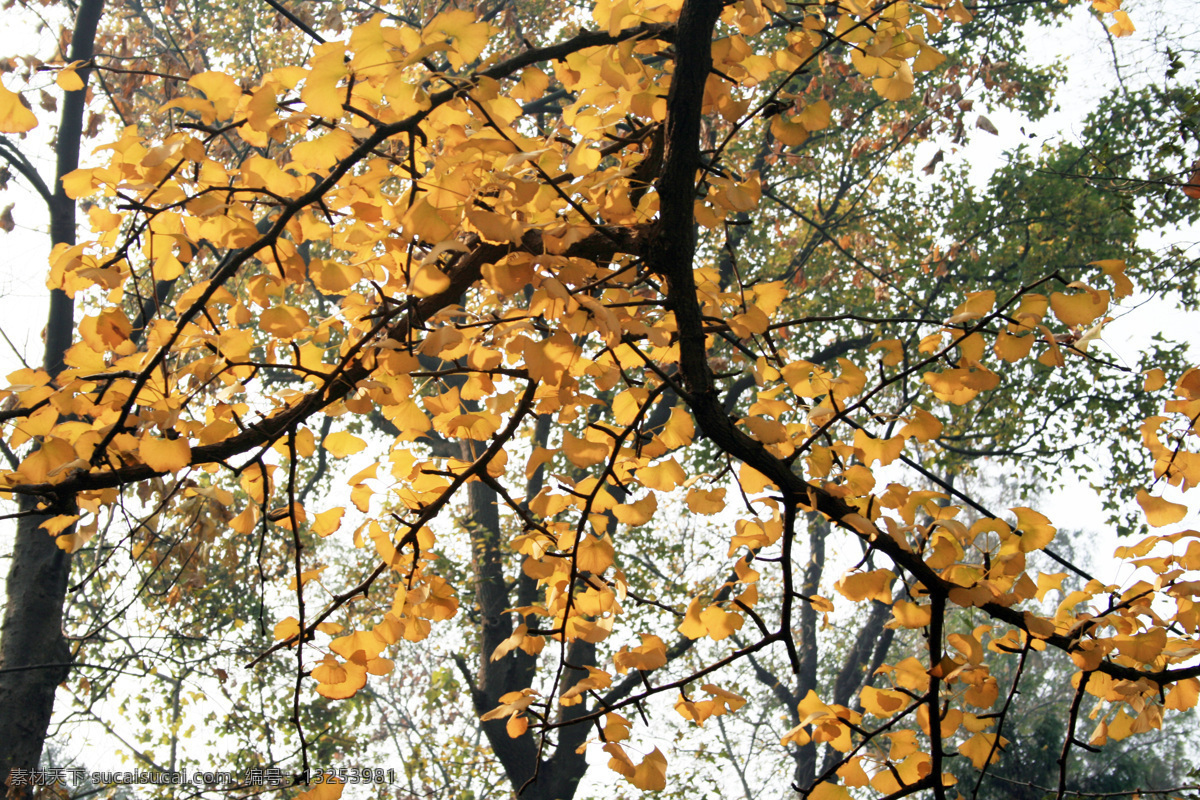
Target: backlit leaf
[(1079, 309), (164, 455), (68, 79), (700, 501), (220, 89), (326, 790), (14, 116), (595, 554), (327, 522), (651, 773), (1160, 511), (284, 321), (286, 629), (341, 444), (829, 791), (874, 584)]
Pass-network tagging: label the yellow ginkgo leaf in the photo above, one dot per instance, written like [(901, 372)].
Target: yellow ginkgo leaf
[(922, 426), (1115, 269), (1035, 527), (882, 703), (283, 321), (663, 476), (899, 86), (1183, 695), (829, 791), (333, 277), (911, 615), (619, 761), (330, 669), (325, 151), (341, 444), (164, 455), (68, 79), (495, 228), (328, 522), (852, 773), (875, 584), (893, 351), (321, 94), (1079, 309), (1123, 26), (346, 689), (582, 452), (428, 280), (815, 116), (951, 386), (220, 89), (361, 645), (700, 501), (247, 521), (1143, 647), (1011, 347), (286, 629), (885, 451), (719, 623), (637, 513), (56, 525), (1160, 511), (516, 726), (14, 116), (651, 774), (790, 133), (594, 554), (423, 220), (469, 36), (982, 749), (651, 654), (328, 789)]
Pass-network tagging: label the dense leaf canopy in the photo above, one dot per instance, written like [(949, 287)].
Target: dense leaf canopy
[(619, 327)]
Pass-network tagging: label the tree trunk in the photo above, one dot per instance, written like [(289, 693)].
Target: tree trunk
[(533, 773), (34, 657), (806, 681)]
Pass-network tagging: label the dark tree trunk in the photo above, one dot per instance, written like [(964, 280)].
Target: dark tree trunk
[(34, 655), (535, 774), (806, 680)]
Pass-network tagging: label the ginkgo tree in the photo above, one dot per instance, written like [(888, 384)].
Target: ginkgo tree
[(143, 54), (532, 302)]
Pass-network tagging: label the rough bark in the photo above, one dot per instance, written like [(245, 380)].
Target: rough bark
[(530, 772), (806, 679), (33, 651)]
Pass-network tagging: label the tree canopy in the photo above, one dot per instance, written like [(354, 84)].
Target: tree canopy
[(617, 359)]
